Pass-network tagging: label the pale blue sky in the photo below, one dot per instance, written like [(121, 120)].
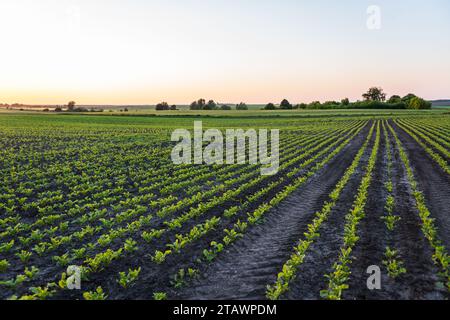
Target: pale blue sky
[(136, 51)]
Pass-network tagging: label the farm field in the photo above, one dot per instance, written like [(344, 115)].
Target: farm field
[(354, 189)]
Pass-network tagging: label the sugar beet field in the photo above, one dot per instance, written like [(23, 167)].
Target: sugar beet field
[(100, 192)]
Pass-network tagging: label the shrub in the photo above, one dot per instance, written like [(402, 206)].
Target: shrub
[(285, 105), (241, 106), (418, 104), (162, 106), (211, 105), (270, 106)]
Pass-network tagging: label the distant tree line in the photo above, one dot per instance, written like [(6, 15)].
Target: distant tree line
[(374, 98), (163, 106), (71, 107), (201, 104)]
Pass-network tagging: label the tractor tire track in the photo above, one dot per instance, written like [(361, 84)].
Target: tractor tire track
[(324, 251), (244, 270), (433, 182)]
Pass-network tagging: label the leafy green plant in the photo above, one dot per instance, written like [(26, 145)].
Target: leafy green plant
[(42, 293), (130, 245), (15, 282), (4, 265), (391, 221), (212, 253), (63, 260), (126, 279), (393, 264), (160, 256), (6, 247), (24, 256), (31, 273), (159, 296), (154, 234), (98, 294)]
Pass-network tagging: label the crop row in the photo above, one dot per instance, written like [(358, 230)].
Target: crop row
[(337, 279), (128, 246), (238, 230), (291, 266), (440, 256)]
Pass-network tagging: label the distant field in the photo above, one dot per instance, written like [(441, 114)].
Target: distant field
[(99, 191), (441, 107), (244, 113)]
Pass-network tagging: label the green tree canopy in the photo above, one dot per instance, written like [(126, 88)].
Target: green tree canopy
[(71, 106), (241, 106), (162, 106), (285, 105), (375, 94), (211, 105), (395, 99), (345, 102), (406, 99), (418, 104), (270, 106)]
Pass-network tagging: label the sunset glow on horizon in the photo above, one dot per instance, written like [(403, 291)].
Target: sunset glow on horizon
[(144, 52)]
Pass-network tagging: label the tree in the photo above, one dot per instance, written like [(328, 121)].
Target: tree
[(193, 106), (406, 99), (345, 102), (419, 104), (241, 106), (285, 105), (211, 105), (198, 105), (375, 94), (270, 106), (201, 103), (314, 105), (162, 106), (71, 106), (58, 109), (395, 99), (225, 107), (173, 107)]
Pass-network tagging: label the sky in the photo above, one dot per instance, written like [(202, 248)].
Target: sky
[(255, 51)]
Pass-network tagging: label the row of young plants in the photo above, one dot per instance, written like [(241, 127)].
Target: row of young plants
[(313, 152), (440, 141), (36, 235), (423, 140), (440, 256), (159, 257), (59, 196), (97, 214), (48, 208), (338, 278), (291, 266), (392, 260), (233, 211), (106, 256), (434, 129), (230, 236)]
